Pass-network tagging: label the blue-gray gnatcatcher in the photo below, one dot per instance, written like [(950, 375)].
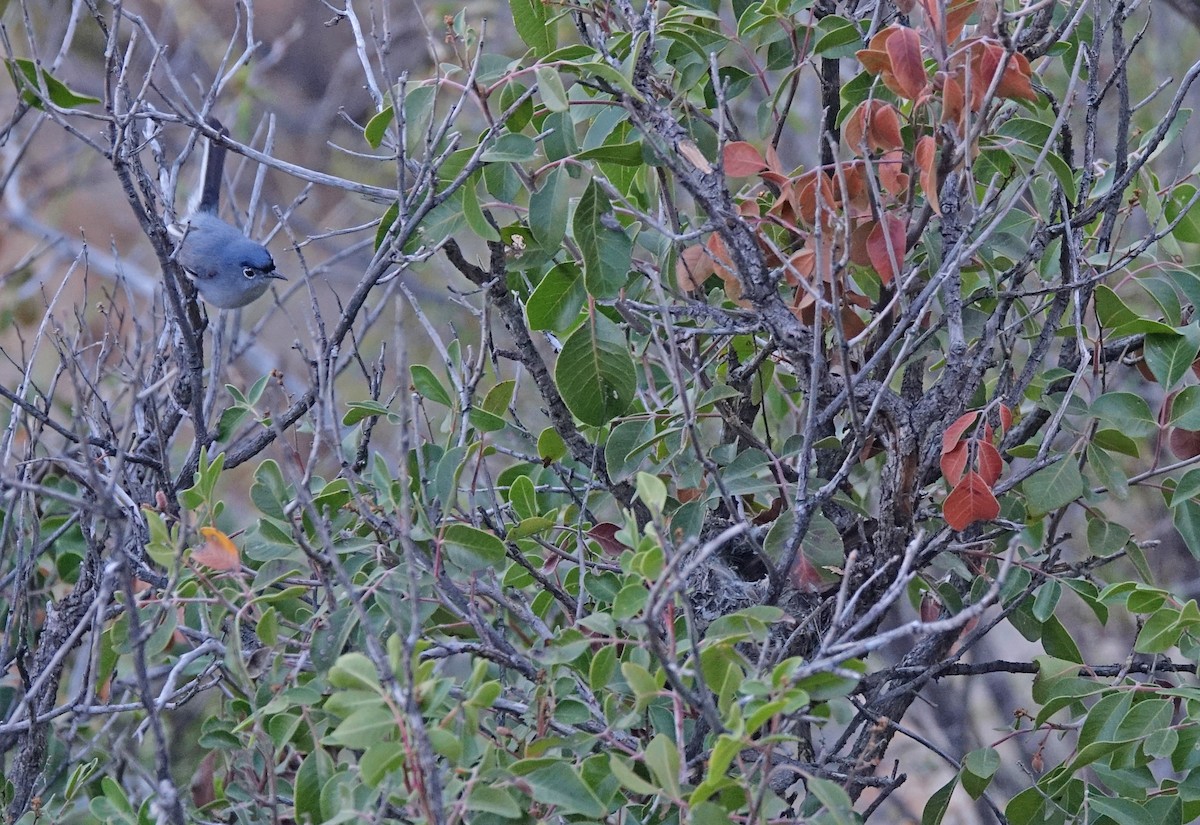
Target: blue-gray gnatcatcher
[(228, 269)]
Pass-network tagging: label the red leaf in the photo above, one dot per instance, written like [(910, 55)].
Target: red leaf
[(1005, 418), (954, 463), (886, 249), (904, 48), (741, 159), (605, 535), (954, 432), (991, 465), (971, 501), (805, 576)]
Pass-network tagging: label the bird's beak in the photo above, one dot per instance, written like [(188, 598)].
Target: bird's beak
[(276, 275)]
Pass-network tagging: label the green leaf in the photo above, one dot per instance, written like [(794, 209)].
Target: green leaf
[(551, 87), (377, 126), (25, 75), (356, 411), (1188, 487), (550, 445), (428, 386), (313, 773), (493, 800), (663, 760), (1188, 228), (651, 491), (1186, 517), (386, 222), (523, 498), (595, 373), (418, 115), (548, 211), (354, 671), (978, 768), (533, 25), (473, 548), (1128, 412), (560, 785), (939, 802), (629, 778), (474, 216), (1054, 486), (838, 37), (557, 300), (606, 248), (510, 148), (1170, 356), (1185, 409), (835, 800)]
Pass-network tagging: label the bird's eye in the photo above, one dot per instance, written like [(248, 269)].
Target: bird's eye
[(248, 272)]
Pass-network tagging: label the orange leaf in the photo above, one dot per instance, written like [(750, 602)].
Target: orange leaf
[(956, 18), (693, 268), (741, 159), (217, 552), (904, 48), (954, 99), (874, 61), (723, 266), (954, 463), (886, 247), (991, 465), (1014, 83), (971, 501), (954, 432), (925, 157)]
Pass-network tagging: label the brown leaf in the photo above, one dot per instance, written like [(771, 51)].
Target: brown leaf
[(885, 246), (931, 607), (693, 268), (892, 176), (217, 552), (970, 501), (904, 48), (1184, 443), (741, 159), (204, 790), (692, 154)]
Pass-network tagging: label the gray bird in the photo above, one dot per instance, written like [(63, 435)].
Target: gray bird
[(228, 269)]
